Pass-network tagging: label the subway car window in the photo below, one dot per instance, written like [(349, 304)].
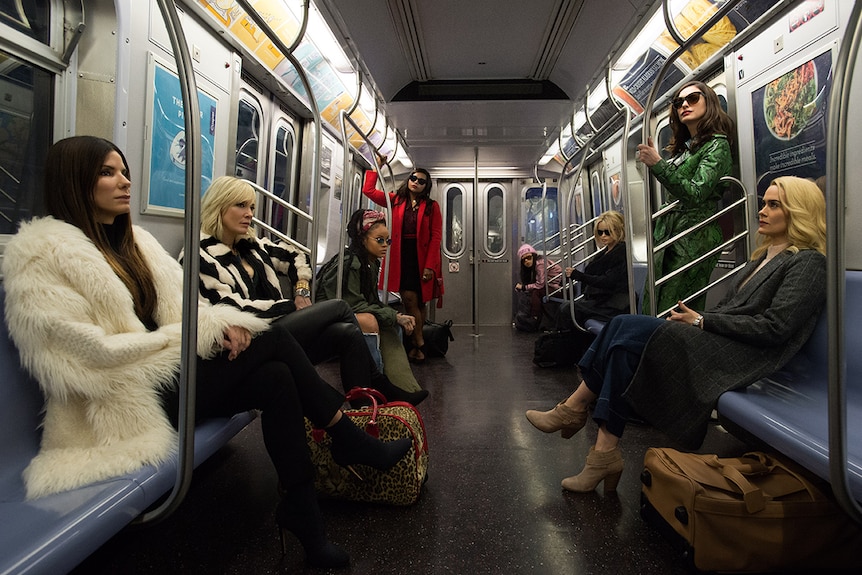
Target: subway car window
[(26, 135), (283, 173), (454, 230), (247, 138), (495, 222), (30, 17), (542, 224)]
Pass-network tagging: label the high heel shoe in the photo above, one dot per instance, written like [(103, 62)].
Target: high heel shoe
[(394, 393), (352, 446), (562, 417), (601, 466), (299, 514)]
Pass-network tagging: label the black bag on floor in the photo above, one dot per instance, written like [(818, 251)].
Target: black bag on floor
[(556, 349), (437, 337), (524, 320)]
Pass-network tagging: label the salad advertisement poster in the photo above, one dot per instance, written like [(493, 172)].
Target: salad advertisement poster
[(790, 123)]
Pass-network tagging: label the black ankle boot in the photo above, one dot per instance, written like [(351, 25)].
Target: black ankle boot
[(351, 445), (394, 393), (298, 513)]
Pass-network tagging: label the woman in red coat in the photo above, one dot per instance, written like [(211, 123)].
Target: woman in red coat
[(417, 228)]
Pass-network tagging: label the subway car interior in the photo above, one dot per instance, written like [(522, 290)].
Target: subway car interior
[(531, 122)]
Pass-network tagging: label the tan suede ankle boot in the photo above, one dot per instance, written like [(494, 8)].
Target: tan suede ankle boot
[(601, 465), (562, 417)]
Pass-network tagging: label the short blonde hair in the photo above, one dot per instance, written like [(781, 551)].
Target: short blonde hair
[(224, 192), (614, 220), (804, 207)]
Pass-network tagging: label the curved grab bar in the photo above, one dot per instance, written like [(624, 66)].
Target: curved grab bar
[(315, 111), (302, 27), (836, 183), (345, 214), (191, 269)]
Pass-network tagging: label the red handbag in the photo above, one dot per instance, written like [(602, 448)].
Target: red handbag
[(399, 485)]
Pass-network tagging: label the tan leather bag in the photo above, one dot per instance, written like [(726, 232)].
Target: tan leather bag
[(758, 512)]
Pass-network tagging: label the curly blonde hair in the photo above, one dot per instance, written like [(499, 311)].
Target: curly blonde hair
[(614, 220)]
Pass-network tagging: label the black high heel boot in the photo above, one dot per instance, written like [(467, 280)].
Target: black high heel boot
[(394, 393), (298, 513), (351, 446)]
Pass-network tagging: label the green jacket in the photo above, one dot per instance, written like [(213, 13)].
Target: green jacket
[(327, 284), (695, 180)]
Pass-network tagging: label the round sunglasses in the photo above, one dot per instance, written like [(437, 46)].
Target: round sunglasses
[(418, 180)]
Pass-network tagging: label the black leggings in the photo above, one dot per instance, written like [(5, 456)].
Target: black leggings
[(328, 329), (275, 376)]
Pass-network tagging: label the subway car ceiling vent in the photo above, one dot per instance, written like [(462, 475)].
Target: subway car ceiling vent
[(448, 90)]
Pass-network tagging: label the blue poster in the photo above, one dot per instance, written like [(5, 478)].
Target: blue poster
[(168, 141)]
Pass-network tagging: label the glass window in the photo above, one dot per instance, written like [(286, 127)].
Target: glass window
[(282, 178), (29, 17), (541, 223), (454, 232), (24, 138), (247, 137), (495, 222)]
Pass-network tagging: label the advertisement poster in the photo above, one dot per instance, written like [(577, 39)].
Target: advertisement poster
[(616, 199), (790, 117), (167, 153)]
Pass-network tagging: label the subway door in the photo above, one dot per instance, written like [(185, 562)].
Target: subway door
[(487, 247)]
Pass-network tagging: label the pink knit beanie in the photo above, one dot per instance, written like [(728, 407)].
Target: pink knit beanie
[(524, 250)]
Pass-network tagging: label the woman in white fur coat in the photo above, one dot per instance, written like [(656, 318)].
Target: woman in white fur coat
[(94, 306)]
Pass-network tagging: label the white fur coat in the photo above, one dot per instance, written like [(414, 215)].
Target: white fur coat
[(100, 370)]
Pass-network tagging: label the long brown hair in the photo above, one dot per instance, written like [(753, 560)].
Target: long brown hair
[(402, 194), (714, 121), (72, 169)]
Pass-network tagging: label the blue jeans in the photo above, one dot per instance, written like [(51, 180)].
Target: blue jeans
[(610, 363)]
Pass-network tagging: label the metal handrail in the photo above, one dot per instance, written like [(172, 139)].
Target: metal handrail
[(836, 184), (647, 114), (191, 269), (287, 205), (346, 201), (743, 235), (315, 111)]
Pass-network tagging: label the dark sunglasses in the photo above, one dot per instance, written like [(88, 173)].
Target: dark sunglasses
[(418, 180), (381, 241), (692, 99), (603, 233)]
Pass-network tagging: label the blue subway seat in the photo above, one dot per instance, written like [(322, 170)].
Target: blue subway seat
[(788, 410), (53, 534)]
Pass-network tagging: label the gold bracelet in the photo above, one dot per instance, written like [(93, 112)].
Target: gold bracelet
[(302, 284)]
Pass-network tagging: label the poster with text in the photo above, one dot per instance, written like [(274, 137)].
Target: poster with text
[(167, 152), (790, 117)]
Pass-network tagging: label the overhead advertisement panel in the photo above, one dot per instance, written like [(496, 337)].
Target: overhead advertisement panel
[(330, 93)]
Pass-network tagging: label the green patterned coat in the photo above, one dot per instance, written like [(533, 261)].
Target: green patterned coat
[(694, 180)]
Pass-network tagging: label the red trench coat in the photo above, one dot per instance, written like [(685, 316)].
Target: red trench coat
[(429, 233)]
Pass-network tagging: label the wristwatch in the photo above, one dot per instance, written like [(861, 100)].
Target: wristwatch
[(303, 292), (697, 321)]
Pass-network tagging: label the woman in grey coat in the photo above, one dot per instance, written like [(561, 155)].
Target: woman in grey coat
[(671, 372)]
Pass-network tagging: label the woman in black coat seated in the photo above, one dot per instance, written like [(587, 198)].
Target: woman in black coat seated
[(605, 281), (671, 372)]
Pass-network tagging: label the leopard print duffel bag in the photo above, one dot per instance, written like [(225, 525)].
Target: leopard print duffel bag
[(399, 485)]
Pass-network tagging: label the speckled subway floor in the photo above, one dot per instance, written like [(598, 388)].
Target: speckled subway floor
[(492, 504)]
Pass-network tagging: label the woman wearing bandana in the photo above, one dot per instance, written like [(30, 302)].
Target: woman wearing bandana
[(369, 242)]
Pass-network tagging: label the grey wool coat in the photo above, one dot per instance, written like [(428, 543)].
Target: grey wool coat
[(753, 332)]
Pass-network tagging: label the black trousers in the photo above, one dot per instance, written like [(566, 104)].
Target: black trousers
[(328, 329), (275, 376)]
